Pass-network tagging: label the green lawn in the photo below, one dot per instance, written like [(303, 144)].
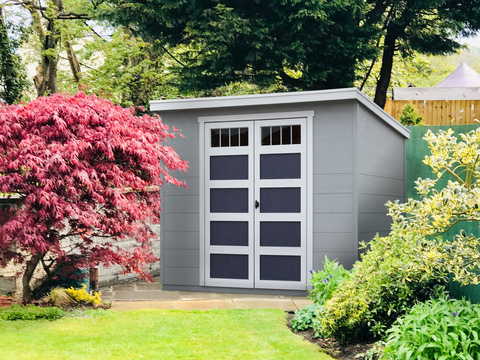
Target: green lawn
[(158, 334)]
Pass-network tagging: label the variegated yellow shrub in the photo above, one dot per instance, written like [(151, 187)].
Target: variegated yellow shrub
[(82, 296)]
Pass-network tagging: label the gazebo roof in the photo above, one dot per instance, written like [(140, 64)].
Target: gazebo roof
[(463, 77)]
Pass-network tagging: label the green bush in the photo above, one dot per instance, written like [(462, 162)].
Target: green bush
[(410, 116), (345, 316), (326, 281), (31, 312), (437, 329), (388, 281), (307, 318)]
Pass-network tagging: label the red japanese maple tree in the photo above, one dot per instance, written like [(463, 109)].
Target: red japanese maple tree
[(86, 174)]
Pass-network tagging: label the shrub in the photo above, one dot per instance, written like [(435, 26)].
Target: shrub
[(60, 297), (307, 318), (31, 312), (326, 281), (455, 162), (437, 329), (345, 316), (388, 281), (82, 296), (410, 116)]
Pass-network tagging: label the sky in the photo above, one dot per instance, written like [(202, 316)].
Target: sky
[(473, 41)]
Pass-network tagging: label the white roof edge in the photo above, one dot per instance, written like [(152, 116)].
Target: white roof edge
[(277, 98)]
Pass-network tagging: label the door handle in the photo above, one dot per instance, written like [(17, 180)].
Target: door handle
[(257, 204)]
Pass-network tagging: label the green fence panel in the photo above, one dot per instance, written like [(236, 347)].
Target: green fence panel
[(416, 150)]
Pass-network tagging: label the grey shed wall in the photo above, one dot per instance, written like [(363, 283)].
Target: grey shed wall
[(358, 164)]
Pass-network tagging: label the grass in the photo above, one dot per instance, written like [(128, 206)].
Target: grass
[(158, 334)]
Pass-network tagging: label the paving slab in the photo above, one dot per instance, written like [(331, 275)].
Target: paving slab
[(301, 303), (145, 295), (137, 305), (283, 304), (195, 295), (226, 304)]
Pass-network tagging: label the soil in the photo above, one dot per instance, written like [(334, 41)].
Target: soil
[(332, 347)]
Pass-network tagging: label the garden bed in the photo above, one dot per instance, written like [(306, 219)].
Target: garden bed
[(332, 347)]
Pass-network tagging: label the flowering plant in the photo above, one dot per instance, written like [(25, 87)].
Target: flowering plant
[(325, 282)]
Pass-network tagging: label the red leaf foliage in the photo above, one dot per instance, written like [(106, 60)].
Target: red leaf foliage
[(87, 174)]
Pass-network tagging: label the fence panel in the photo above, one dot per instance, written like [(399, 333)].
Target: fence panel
[(439, 112), (416, 150)]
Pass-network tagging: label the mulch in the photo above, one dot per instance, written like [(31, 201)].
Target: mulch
[(332, 347)]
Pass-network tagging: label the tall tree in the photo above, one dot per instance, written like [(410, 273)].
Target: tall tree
[(12, 74), (426, 26), (301, 44), (86, 174)]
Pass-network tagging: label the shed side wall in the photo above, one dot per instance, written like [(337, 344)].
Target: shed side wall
[(381, 173), (334, 233), (179, 232)]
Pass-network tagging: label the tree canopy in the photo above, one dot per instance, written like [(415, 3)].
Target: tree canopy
[(85, 174), (299, 44)]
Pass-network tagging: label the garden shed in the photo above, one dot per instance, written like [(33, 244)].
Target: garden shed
[(276, 183)]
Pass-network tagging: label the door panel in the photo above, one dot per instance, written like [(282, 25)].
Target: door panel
[(255, 204), (228, 204), (280, 221)]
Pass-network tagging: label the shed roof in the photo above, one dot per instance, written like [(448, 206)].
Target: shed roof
[(463, 76), (277, 99)]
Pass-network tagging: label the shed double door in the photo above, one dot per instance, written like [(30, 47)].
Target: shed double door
[(255, 204)]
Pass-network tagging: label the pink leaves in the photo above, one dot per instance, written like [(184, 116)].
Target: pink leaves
[(83, 170)]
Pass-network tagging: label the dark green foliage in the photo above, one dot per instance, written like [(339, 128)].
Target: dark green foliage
[(410, 116), (31, 312), (437, 329), (12, 73), (310, 44)]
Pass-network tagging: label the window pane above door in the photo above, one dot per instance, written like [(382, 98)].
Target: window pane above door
[(229, 137), (281, 135)]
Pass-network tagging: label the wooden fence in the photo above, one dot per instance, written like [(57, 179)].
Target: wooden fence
[(439, 112)]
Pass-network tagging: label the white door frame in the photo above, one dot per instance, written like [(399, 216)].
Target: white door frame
[(308, 132)]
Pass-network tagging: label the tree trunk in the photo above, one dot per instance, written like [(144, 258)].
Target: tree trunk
[(386, 69), (46, 78), (27, 277), (73, 60)]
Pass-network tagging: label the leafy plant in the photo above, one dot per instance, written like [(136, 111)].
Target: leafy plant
[(437, 329), (308, 318), (326, 281), (31, 312), (87, 174), (410, 116), (82, 296), (389, 280), (438, 210)]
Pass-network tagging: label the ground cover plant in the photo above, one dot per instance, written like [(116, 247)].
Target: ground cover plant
[(159, 334), (437, 329), (30, 312)]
